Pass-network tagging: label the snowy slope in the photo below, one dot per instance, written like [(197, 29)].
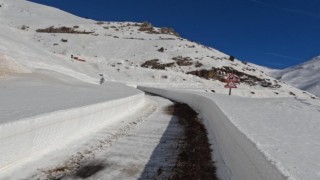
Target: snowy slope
[(44, 92), (304, 76), (119, 50)]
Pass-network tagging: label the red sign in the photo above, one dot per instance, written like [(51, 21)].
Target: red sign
[(230, 85), (233, 78)]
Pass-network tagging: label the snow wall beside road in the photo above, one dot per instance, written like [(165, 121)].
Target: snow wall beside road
[(28, 138), (236, 156)]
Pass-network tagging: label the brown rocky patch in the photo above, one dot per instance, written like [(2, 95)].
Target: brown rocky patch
[(155, 64), (183, 61), (63, 29), (207, 74), (221, 73), (148, 28)]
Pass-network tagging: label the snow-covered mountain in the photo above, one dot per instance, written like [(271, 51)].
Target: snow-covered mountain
[(304, 76), (50, 66), (34, 37)]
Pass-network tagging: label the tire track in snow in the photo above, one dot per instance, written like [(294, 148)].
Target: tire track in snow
[(79, 159)]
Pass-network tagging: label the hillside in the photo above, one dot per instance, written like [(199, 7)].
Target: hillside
[(304, 76), (39, 37)]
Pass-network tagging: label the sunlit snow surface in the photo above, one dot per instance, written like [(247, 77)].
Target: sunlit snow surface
[(40, 82), (261, 138)]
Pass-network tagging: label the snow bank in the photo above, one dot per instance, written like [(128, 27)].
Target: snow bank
[(236, 156), (25, 139)]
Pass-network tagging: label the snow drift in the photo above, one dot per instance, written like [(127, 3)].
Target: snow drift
[(29, 138)]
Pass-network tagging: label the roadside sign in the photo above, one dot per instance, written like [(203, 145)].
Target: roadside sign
[(230, 85), (231, 82), (233, 78)]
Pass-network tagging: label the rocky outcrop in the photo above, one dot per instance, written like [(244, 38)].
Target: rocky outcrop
[(155, 64)]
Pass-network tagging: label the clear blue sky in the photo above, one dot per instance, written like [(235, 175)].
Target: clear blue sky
[(273, 33)]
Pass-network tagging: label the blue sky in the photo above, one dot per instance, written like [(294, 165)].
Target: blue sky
[(272, 33)]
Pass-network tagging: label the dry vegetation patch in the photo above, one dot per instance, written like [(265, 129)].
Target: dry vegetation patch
[(183, 61), (148, 28), (155, 64), (170, 31), (221, 73), (62, 29), (207, 74)]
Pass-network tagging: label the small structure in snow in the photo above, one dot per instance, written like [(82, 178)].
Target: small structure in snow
[(101, 79)]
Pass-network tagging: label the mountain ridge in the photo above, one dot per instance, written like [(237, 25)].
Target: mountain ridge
[(303, 76)]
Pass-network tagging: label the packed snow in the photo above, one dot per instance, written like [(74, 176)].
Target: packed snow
[(42, 92), (50, 95), (42, 112), (89, 148), (254, 143)]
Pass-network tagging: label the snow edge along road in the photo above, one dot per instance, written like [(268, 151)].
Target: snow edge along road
[(29, 138), (236, 157), (80, 159)]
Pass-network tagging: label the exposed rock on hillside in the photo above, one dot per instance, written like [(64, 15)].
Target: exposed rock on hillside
[(154, 64), (63, 29), (148, 27), (183, 61)]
